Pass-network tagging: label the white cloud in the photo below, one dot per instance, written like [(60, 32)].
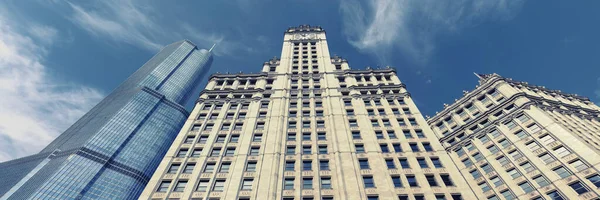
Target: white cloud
[(43, 33), (120, 21), (34, 106), (135, 23), (376, 27)]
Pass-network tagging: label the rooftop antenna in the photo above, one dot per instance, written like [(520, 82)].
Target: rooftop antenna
[(213, 46), (477, 75)]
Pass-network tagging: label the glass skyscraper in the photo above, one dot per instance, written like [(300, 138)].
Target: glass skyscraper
[(112, 151)]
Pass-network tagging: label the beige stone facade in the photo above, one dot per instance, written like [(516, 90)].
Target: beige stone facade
[(307, 127), (514, 140)]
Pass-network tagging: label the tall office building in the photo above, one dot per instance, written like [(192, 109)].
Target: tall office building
[(112, 151), (514, 140), (306, 127)]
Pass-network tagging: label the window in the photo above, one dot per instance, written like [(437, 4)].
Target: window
[(446, 179), (467, 162), (554, 195), (307, 183), (475, 174), (547, 158), (209, 168), (202, 186), (288, 184), (486, 168), (325, 183), (401, 122), (230, 151), (414, 147), (541, 181), (521, 134), (561, 152), (251, 166), (219, 185), (484, 187), (420, 134), (173, 169), (324, 164), (533, 146), (527, 167), (505, 143), (440, 197), (496, 181), (578, 165), (322, 149), (407, 134), (403, 197), (224, 167), (363, 163), (321, 136), (562, 172), (384, 148), (368, 181), (182, 153), (373, 198), (390, 164), (493, 149), (374, 123), (515, 154), (289, 165), (412, 121), (431, 180), (208, 127), (359, 148), (264, 105), (595, 179), (502, 160), (355, 135), (306, 136), (547, 139), (427, 147), (478, 157), (513, 173), (291, 137), (404, 163), (526, 187), (307, 165), (578, 187), (534, 128), (412, 181), (397, 181), (422, 163), (247, 184), (203, 139), (353, 123), (164, 186), (221, 138), (189, 139), (257, 138), (379, 135), (189, 168), (291, 150), (391, 134), (507, 195), (397, 147), (306, 150)]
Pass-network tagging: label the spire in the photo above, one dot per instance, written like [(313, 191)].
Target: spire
[(478, 76), (213, 46)]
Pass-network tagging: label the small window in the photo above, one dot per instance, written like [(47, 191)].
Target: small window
[(164, 186), (247, 184), (368, 182)]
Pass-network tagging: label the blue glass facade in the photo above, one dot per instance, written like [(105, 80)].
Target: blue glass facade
[(112, 151)]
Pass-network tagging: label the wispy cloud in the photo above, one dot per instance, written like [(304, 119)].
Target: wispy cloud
[(35, 107), (120, 21), (377, 27), (135, 23)]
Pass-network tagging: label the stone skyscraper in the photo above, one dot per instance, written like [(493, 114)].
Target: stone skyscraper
[(515, 140), (306, 127), (112, 151)]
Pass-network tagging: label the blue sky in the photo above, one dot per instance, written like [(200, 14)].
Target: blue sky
[(59, 58)]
